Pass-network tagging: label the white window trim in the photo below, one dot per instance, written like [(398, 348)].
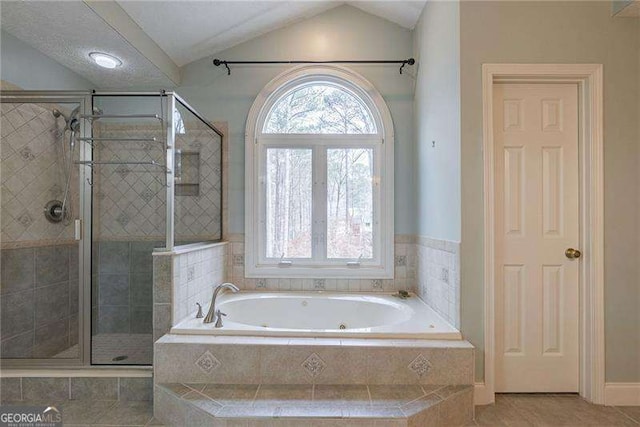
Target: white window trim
[(254, 140)]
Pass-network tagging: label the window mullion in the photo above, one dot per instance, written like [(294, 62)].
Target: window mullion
[(319, 252)]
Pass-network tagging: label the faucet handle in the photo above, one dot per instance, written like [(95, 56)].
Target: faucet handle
[(219, 315), (199, 315)]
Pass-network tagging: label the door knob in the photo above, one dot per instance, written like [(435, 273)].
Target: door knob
[(573, 253)]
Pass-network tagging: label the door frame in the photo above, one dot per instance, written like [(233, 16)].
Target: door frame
[(589, 78)]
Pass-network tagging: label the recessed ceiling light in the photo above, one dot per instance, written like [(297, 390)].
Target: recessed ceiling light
[(104, 60)]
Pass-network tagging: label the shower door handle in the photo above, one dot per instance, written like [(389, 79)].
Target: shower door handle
[(78, 229)]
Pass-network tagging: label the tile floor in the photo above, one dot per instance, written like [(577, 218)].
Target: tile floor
[(524, 410), (515, 410)]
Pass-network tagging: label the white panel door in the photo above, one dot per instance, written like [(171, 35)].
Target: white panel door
[(537, 220)]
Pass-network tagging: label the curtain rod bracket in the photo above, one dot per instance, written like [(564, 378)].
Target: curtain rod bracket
[(217, 62)]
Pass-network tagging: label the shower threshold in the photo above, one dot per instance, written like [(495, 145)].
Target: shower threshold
[(117, 349)]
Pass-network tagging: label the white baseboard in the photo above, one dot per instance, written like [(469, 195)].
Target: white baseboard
[(622, 394), (481, 395)]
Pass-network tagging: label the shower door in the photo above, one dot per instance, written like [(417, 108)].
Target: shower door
[(129, 187), (42, 194)]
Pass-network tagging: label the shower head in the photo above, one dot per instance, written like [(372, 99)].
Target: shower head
[(71, 121)]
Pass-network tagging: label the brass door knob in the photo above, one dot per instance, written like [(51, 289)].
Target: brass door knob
[(573, 253)]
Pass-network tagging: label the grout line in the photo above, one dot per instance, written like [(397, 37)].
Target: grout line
[(369, 393), (626, 415), (118, 388), (255, 396), (21, 392), (69, 380)]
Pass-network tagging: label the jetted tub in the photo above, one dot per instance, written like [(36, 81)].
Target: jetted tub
[(323, 314)]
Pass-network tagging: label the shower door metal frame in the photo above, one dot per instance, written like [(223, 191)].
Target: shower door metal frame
[(83, 99), (85, 206)]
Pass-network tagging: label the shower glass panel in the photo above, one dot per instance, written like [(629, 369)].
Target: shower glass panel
[(198, 179), (92, 185), (40, 287), (128, 223)]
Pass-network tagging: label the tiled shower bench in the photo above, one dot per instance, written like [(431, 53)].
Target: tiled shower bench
[(246, 381)]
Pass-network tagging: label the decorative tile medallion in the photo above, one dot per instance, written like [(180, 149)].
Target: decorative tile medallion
[(191, 273), (122, 219), (238, 260), (420, 366), (261, 284), (25, 219), (207, 362), (319, 284), (314, 365), (401, 260), (376, 284)]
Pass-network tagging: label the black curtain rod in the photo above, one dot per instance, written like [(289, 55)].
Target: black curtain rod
[(218, 62)]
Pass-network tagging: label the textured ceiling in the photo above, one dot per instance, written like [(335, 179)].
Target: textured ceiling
[(68, 30), (189, 30), (186, 30)]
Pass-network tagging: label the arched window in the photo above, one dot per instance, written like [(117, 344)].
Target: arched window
[(319, 175)]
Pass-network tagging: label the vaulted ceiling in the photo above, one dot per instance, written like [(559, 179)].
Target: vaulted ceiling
[(155, 38)]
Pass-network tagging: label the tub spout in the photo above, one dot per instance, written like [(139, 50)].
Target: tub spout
[(214, 315)]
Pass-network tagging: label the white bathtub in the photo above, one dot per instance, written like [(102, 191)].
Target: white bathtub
[(323, 314)]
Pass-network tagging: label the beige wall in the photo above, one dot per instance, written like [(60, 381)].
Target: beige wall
[(562, 32)]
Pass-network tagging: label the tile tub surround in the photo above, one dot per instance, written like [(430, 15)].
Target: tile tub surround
[(324, 405), (183, 277), (15, 390), (404, 278), (250, 360), (39, 296), (438, 275)]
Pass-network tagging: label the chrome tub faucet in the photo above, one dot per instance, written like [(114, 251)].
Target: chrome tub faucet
[(216, 315)]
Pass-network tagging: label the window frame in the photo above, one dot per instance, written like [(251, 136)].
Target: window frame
[(257, 265)]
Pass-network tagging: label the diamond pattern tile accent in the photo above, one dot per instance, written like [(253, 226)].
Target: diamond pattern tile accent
[(420, 366), (314, 365), (31, 175), (207, 362)]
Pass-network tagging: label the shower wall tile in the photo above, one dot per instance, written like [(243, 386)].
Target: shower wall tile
[(114, 257), (131, 200), (124, 284), (52, 303), (17, 313), (52, 265), (51, 338), (19, 346), (32, 174), (113, 319), (17, 267), (114, 289)]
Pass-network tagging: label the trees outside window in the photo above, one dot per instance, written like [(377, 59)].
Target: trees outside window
[(320, 178)]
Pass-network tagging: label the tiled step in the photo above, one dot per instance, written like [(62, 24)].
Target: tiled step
[(280, 405)]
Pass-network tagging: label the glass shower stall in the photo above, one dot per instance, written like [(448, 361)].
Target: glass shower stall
[(91, 185)]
